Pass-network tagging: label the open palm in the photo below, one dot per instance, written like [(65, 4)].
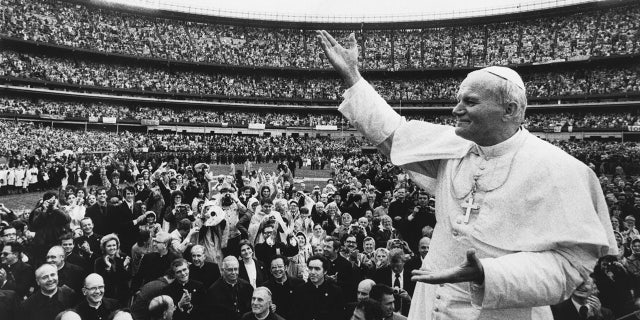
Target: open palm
[(470, 270), (344, 59)]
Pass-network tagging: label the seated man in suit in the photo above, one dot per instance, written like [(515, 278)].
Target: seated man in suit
[(396, 276), (582, 305), (48, 299), (68, 274), (229, 297), (95, 306), (200, 270), (186, 293)]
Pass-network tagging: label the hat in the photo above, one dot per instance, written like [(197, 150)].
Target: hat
[(629, 218), (506, 74)]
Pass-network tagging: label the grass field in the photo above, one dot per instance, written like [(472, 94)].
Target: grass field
[(26, 202)]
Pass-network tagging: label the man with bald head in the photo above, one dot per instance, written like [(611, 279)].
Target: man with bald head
[(68, 274), (230, 297), (48, 300), (503, 196), (261, 306), (364, 287), (416, 261), (95, 306)]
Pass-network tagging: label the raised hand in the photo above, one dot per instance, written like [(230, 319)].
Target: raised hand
[(343, 59), (470, 270)]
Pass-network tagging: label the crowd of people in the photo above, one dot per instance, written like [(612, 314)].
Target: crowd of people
[(557, 38), (581, 82), (78, 110), (535, 120)]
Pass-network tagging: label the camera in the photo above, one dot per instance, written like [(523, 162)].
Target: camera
[(226, 200), (396, 290)]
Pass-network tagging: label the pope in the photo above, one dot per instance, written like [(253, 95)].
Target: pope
[(520, 223)]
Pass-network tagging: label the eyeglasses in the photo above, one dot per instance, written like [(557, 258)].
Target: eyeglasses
[(4, 254), (94, 289), (9, 234)]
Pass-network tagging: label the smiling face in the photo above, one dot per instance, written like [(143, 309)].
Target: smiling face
[(111, 247), (182, 273), (47, 278), (93, 288), (260, 302), (246, 252), (481, 118), (277, 269)]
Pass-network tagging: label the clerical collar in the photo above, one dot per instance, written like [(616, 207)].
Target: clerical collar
[(49, 295), (503, 147), (262, 318), (97, 306)]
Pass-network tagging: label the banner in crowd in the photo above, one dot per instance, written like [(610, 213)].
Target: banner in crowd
[(257, 126), (94, 119), (149, 122), (633, 128), (108, 119), (326, 128), (52, 116), (579, 58)]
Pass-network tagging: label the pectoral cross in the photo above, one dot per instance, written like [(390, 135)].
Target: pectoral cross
[(469, 206)]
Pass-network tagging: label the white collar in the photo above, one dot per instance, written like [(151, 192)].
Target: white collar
[(503, 147)]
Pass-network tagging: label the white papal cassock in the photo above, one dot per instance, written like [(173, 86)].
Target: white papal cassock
[(541, 225)]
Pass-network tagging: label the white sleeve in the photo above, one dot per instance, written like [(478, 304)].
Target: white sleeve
[(526, 279), (369, 112)]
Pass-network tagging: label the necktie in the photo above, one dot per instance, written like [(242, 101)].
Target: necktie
[(396, 283), (584, 311)]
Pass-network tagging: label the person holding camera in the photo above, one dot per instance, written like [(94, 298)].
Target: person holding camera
[(614, 284), (176, 212), (398, 277), (49, 222), (235, 217)]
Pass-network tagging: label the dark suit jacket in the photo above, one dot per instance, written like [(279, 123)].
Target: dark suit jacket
[(261, 272), (221, 301), (175, 290), (383, 276), (567, 311), (23, 276), (88, 313), (283, 295), (72, 276), (207, 274), (40, 307), (100, 217), (272, 316), (121, 218), (8, 304), (325, 302), (414, 263)]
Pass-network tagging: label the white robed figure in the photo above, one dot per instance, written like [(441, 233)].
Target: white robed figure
[(520, 223)]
